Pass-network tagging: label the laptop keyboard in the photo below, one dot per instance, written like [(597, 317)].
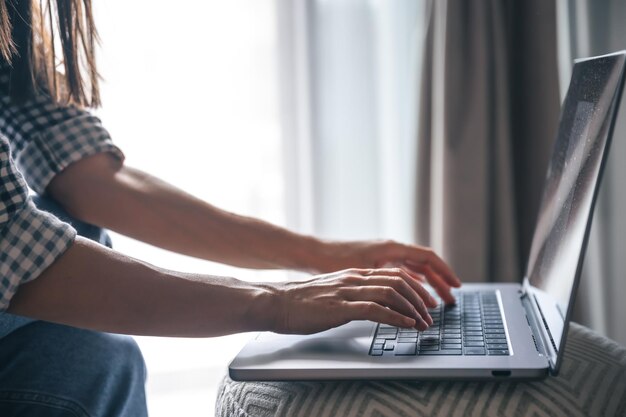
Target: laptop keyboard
[(473, 326)]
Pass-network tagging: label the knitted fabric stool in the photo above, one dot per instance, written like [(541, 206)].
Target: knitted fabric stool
[(591, 382)]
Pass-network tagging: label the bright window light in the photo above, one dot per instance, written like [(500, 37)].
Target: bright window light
[(190, 96)]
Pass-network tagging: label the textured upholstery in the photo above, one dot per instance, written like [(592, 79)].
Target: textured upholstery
[(592, 382)]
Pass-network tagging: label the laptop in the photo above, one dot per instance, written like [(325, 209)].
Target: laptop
[(494, 331)]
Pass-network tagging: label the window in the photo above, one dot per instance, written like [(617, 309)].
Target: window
[(189, 94), (358, 66)]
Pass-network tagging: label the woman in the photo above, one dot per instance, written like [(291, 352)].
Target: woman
[(58, 361)]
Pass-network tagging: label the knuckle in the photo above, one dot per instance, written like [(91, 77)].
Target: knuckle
[(398, 282), (350, 271), (389, 293), (370, 307), (336, 303), (352, 279), (339, 293), (388, 242), (428, 249)]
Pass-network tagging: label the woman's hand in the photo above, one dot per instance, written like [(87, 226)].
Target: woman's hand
[(419, 262), (94, 287), (391, 296)]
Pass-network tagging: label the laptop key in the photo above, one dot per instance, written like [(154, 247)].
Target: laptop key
[(387, 331), (473, 343), (429, 339), (429, 347), (499, 352), (497, 346), (447, 346), (499, 337), (389, 345), (377, 352), (441, 352), (405, 349), (407, 339), (474, 351)]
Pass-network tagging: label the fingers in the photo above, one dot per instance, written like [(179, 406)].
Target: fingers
[(426, 257), (412, 273), (389, 297), (368, 310), (410, 281), (392, 296), (439, 285), (405, 285), (425, 262)]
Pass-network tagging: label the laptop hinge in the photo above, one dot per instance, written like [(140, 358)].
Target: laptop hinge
[(536, 327)]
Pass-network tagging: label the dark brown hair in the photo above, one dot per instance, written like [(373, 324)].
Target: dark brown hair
[(31, 32)]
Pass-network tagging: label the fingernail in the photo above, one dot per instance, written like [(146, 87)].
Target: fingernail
[(429, 320), (409, 322)]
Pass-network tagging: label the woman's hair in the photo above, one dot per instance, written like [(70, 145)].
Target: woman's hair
[(50, 46)]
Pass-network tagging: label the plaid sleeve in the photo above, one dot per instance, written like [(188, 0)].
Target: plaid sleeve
[(47, 137), (30, 239)]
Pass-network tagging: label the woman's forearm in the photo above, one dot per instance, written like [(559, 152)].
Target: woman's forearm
[(100, 191), (93, 287), (136, 204)]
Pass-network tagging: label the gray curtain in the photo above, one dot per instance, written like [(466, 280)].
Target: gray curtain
[(488, 114), (594, 28)]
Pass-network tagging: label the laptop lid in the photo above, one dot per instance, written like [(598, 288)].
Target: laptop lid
[(586, 125)]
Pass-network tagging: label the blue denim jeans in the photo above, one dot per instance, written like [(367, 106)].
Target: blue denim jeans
[(52, 370)]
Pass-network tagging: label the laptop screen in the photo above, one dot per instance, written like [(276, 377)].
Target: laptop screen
[(570, 189)]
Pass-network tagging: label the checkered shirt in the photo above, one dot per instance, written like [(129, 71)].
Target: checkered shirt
[(44, 138)]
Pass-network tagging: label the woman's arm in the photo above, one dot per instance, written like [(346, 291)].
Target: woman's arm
[(102, 191), (94, 287)]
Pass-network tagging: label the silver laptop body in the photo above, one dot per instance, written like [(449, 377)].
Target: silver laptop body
[(533, 318)]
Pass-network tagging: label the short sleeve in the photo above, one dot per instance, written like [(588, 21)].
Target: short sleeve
[(53, 149), (47, 137), (30, 239)]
